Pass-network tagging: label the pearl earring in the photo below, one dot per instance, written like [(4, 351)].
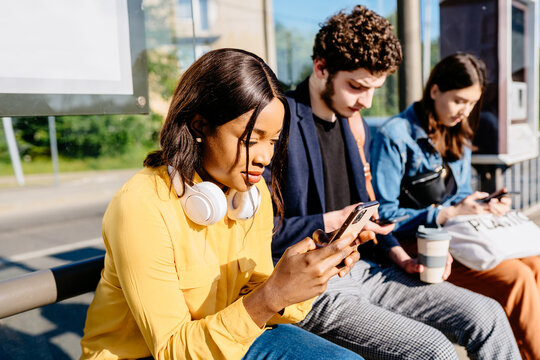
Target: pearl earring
[(198, 139)]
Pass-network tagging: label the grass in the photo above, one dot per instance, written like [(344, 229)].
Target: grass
[(129, 160)]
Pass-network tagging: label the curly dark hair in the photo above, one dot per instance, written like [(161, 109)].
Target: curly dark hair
[(361, 39)]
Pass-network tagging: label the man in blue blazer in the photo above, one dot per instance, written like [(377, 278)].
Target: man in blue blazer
[(381, 312)]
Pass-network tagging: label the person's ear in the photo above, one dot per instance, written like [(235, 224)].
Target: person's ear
[(319, 69), (198, 126), (434, 91)]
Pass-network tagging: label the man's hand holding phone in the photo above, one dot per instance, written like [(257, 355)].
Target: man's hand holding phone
[(322, 239), (384, 226), (393, 220), (355, 222)]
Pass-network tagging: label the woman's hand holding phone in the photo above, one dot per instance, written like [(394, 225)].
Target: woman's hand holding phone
[(500, 206), (378, 228), (301, 274), (498, 202), (323, 239), (304, 269), (467, 206)]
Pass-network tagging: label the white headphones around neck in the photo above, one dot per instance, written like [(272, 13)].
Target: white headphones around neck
[(205, 203)]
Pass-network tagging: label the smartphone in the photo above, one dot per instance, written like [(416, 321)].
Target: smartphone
[(497, 195), (356, 220), (393, 220)]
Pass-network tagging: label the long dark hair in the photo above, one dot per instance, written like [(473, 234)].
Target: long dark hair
[(220, 86), (456, 71)]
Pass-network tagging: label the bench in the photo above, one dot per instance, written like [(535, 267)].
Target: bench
[(49, 286)]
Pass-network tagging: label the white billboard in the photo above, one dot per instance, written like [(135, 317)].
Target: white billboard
[(65, 47)]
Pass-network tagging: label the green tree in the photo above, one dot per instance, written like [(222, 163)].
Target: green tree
[(293, 50), (86, 136), (32, 134), (4, 153), (108, 135)]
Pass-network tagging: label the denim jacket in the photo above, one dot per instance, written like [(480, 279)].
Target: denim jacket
[(401, 149)]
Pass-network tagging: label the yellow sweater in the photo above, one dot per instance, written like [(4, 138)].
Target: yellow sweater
[(171, 288)]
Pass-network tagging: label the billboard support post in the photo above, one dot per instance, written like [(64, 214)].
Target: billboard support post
[(54, 149), (13, 150)]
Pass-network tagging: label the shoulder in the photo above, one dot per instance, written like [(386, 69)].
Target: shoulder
[(292, 97), (147, 180), (402, 127), (144, 205), (300, 93), (397, 128), (291, 100), (146, 189), (299, 97), (296, 110), (467, 154)]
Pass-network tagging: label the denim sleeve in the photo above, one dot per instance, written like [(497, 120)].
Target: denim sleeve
[(464, 184), (388, 163)]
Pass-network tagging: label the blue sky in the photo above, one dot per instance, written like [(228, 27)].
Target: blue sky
[(306, 15)]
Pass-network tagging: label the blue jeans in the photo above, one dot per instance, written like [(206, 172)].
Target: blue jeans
[(291, 342)]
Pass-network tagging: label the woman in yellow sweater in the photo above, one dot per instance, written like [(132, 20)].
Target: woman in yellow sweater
[(188, 270)]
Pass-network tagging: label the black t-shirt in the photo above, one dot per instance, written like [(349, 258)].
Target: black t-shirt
[(338, 180)]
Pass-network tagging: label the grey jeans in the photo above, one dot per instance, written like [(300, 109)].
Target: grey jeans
[(385, 313)]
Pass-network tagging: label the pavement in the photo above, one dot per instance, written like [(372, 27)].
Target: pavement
[(74, 194)]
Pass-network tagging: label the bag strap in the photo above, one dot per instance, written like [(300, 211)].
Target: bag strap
[(451, 181), (357, 129), (411, 197)]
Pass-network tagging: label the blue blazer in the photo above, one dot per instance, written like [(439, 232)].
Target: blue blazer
[(303, 186)]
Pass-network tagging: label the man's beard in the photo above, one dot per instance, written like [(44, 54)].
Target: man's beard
[(328, 92)]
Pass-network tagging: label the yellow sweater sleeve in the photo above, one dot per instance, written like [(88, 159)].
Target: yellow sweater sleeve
[(144, 260)]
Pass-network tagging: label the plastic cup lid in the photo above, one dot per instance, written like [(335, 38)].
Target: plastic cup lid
[(432, 233)]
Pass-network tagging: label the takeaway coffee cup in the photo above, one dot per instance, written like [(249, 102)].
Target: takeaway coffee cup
[(432, 252)]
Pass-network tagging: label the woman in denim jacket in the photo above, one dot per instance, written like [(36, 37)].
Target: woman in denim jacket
[(435, 135)]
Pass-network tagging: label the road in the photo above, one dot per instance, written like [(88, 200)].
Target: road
[(43, 226)]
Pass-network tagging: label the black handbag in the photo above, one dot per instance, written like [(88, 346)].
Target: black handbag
[(423, 190)]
